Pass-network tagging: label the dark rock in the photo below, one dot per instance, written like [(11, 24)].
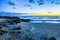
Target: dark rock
[(19, 32), (11, 20), (0, 26), (2, 32), (25, 20), (44, 37), (12, 32), (29, 38), (52, 38), (3, 24), (17, 28)]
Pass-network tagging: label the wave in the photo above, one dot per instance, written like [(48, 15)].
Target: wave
[(35, 21)]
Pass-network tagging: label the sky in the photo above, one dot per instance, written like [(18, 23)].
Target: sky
[(30, 6)]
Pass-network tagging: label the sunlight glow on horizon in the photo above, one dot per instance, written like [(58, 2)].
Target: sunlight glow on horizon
[(23, 6)]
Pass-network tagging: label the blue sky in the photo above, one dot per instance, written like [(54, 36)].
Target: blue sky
[(25, 6)]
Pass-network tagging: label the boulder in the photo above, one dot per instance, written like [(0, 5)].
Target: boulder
[(2, 32), (52, 38)]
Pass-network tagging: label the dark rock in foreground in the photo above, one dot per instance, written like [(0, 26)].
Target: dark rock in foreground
[(2, 32), (52, 38)]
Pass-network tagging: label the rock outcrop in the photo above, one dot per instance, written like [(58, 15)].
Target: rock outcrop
[(10, 20)]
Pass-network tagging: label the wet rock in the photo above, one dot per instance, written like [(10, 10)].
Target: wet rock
[(25, 20), (19, 32), (17, 28), (3, 24), (29, 38), (10, 20), (12, 32), (2, 32), (44, 37), (52, 38), (0, 26)]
